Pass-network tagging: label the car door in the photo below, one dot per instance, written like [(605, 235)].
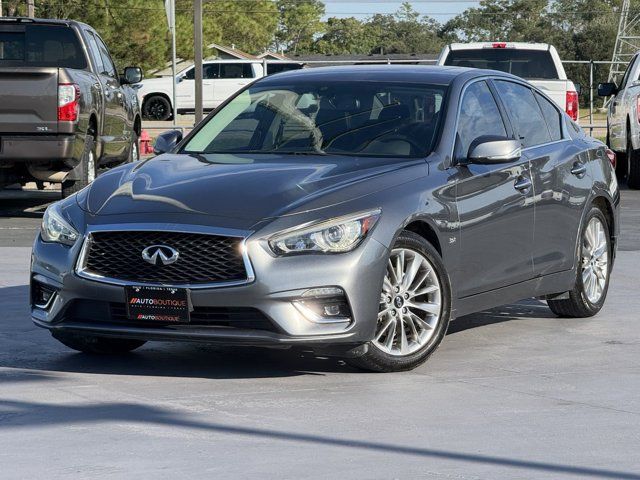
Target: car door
[(619, 108), (115, 131), (186, 90), (233, 77), (210, 74), (495, 202)]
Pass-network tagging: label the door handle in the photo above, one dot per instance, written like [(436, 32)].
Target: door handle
[(523, 184), (579, 169)]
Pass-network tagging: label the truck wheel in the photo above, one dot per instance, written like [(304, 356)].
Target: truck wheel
[(633, 159), (134, 150), (156, 107), (88, 159)]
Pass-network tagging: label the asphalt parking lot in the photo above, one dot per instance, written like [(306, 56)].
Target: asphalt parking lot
[(513, 393)]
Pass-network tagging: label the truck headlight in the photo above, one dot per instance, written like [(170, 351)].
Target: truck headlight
[(54, 228), (338, 235)]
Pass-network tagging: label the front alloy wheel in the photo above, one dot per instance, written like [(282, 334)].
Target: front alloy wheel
[(414, 308), (409, 305)]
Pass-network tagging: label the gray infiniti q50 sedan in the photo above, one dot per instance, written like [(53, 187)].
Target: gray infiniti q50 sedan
[(354, 211)]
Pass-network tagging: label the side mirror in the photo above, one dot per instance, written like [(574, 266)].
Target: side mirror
[(578, 88), (491, 151), (132, 75), (607, 89), (166, 141)]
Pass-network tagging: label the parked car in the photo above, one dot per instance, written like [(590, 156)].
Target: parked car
[(354, 211), (220, 80), (64, 110), (623, 122), (538, 63)]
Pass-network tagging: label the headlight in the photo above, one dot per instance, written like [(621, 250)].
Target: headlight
[(55, 228), (333, 236)]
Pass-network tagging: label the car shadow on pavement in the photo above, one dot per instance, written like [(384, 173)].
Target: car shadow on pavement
[(16, 415), (25, 346)]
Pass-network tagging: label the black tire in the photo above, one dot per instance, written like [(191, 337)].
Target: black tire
[(379, 361), (156, 107), (633, 167), (90, 169), (97, 345), (134, 148), (578, 305)]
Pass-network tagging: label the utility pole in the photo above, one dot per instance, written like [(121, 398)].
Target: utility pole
[(31, 8), (197, 42), (0, 8)]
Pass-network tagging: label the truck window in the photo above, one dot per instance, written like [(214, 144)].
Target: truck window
[(528, 64), (95, 52), (109, 68), (40, 46), (236, 70)]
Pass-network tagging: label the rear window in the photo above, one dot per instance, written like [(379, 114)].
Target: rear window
[(40, 46), (528, 64)]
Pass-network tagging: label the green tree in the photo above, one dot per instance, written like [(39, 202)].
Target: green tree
[(300, 22)]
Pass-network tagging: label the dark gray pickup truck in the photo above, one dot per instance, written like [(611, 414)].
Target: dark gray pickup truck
[(64, 110)]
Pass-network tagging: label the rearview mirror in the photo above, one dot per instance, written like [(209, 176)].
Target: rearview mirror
[(494, 151), (166, 141), (132, 75), (607, 89)]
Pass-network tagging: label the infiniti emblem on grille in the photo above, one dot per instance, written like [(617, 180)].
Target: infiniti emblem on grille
[(160, 255)]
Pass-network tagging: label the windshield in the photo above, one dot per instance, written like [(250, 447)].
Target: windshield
[(40, 46), (528, 64), (345, 118)]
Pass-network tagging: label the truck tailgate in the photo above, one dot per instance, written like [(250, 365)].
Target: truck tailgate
[(555, 89), (28, 100)]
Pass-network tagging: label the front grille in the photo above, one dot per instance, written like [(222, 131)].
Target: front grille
[(203, 258)]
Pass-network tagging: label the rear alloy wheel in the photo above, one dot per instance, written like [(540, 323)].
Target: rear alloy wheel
[(414, 308), (157, 107), (97, 345), (592, 280)]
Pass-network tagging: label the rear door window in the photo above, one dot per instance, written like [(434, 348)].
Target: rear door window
[(551, 116), (109, 68), (236, 70), (524, 112), (40, 46), (529, 64)]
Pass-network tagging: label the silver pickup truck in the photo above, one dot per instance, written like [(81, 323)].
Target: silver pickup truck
[(64, 110), (623, 122)]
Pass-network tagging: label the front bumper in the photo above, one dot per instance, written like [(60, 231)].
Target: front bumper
[(278, 282)]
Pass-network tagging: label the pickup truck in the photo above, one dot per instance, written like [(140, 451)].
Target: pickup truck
[(220, 80), (64, 111), (623, 122), (538, 63)]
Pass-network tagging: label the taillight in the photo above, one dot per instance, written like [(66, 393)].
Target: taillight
[(499, 45), (68, 102), (611, 155), (572, 105)]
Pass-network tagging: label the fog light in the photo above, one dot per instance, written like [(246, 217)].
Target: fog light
[(41, 295), (324, 305)]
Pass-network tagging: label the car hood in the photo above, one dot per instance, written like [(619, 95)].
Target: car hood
[(239, 186)]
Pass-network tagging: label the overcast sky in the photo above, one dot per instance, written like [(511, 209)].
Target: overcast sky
[(441, 10)]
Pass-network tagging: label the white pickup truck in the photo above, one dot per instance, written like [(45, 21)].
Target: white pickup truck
[(623, 122), (538, 63)]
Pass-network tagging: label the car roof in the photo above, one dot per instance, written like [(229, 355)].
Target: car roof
[(512, 45), (439, 75), (42, 21)]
